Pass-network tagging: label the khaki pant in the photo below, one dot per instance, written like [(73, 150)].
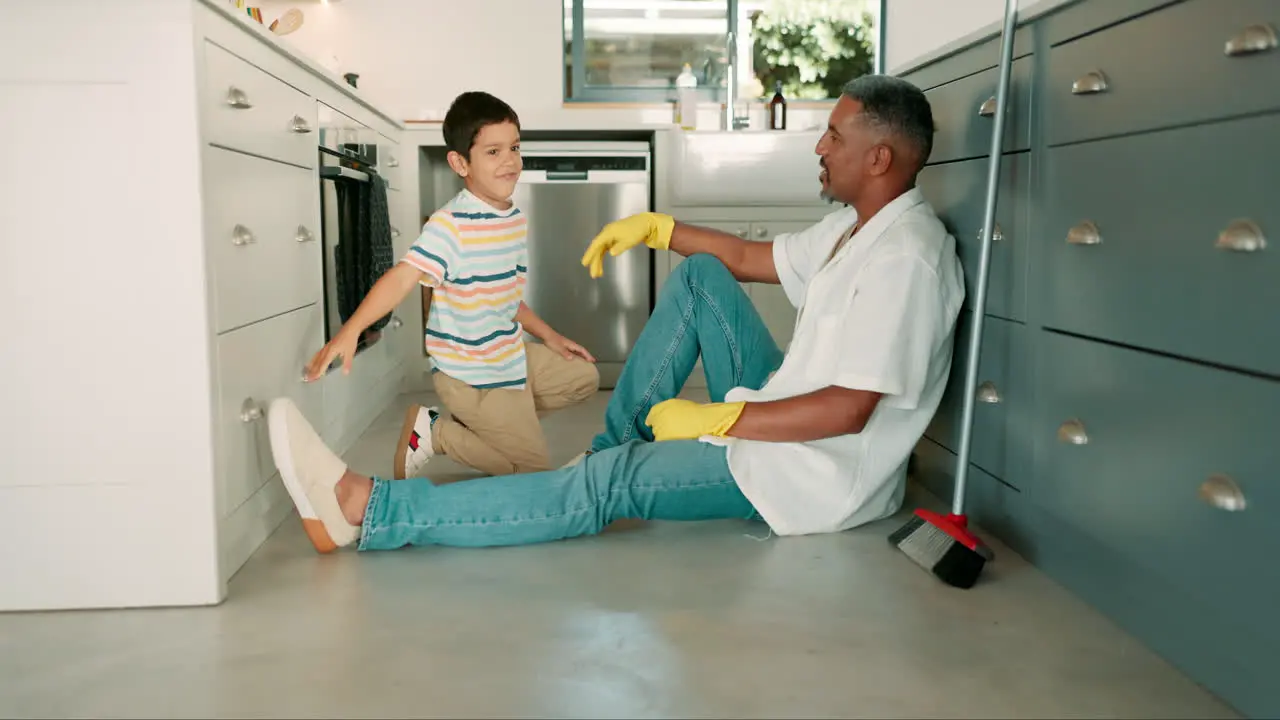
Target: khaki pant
[(498, 431)]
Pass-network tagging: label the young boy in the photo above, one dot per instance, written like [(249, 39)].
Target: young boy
[(473, 257)]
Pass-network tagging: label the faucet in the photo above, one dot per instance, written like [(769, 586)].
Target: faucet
[(731, 120)]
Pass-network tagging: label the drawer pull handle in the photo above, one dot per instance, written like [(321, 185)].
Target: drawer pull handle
[(237, 99), (1072, 432), (250, 411), (742, 233), (240, 235), (1223, 493), (996, 233), (1085, 233), (395, 232), (987, 393), (392, 162), (396, 323), (988, 108), (1241, 236), (299, 125), (762, 232), (1091, 83), (1251, 40), (304, 235)]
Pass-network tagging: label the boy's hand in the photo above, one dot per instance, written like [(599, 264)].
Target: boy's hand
[(650, 228), (567, 348), (343, 345)]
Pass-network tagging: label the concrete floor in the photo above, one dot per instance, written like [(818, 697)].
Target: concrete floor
[(646, 620)]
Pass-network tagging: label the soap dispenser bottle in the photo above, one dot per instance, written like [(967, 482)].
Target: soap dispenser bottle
[(778, 109), (687, 99)]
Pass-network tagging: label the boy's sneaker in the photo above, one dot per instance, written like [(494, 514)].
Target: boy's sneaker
[(581, 456), (414, 449)]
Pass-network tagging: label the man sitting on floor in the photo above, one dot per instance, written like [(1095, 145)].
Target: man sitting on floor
[(813, 440)]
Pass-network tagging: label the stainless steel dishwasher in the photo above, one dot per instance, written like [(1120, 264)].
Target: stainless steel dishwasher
[(569, 191)]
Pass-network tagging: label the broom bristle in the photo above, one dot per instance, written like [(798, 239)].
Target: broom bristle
[(942, 546)]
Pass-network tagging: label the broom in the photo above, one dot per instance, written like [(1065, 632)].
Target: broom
[(943, 544)]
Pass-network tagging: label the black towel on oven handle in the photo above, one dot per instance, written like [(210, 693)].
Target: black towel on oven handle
[(364, 250)]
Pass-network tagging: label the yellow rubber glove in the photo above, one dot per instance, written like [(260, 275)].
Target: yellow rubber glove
[(619, 236), (687, 420)]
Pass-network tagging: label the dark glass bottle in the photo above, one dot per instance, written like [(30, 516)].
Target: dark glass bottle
[(778, 109)]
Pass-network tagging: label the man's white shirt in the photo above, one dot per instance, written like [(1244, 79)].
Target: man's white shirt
[(879, 315)]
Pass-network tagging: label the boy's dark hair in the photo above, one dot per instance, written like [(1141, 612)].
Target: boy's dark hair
[(470, 112)]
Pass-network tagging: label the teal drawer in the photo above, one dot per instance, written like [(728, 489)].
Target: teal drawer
[(958, 192), (964, 113), (990, 504), (1130, 444), (1169, 67), (999, 442), (1158, 279)]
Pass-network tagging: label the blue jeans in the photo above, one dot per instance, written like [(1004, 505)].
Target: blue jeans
[(701, 311)]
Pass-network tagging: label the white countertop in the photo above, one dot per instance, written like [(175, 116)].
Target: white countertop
[(284, 46), (1026, 13)]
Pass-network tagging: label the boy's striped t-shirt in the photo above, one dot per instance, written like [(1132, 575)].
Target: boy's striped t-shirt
[(475, 259)]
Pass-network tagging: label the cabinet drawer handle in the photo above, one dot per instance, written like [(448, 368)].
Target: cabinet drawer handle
[(250, 411), (742, 233), (762, 232), (1085, 233), (1241, 236), (1072, 431), (304, 235), (392, 162), (241, 235), (395, 232), (987, 393), (237, 99), (996, 233), (396, 323), (988, 108), (1253, 39), (1223, 493), (299, 125), (1091, 83)]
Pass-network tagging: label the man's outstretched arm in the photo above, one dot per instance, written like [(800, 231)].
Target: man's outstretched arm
[(748, 260)]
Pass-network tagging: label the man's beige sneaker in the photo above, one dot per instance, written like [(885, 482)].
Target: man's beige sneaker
[(310, 471)]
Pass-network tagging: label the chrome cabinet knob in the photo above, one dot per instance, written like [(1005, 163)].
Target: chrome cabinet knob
[(299, 125), (1091, 83), (396, 323), (395, 232), (304, 235), (1072, 432), (250, 411), (392, 162), (241, 235), (742, 233), (1084, 233), (988, 108), (762, 232), (1251, 40), (988, 393), (1241, 236), (237, 99), (1223, 493)]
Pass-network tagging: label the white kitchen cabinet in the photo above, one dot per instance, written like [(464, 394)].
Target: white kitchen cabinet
[(136, 469)]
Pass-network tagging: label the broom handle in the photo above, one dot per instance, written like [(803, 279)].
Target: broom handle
[(984, 259)]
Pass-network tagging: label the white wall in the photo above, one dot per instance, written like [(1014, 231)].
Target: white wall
[(415, 56), (918, 27)]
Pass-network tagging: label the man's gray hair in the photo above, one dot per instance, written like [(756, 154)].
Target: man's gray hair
[(895, 106)]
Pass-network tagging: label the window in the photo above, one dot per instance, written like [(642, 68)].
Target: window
[(632, 50)]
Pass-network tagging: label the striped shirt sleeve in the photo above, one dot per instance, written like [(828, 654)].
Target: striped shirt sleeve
[(436, 251)]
